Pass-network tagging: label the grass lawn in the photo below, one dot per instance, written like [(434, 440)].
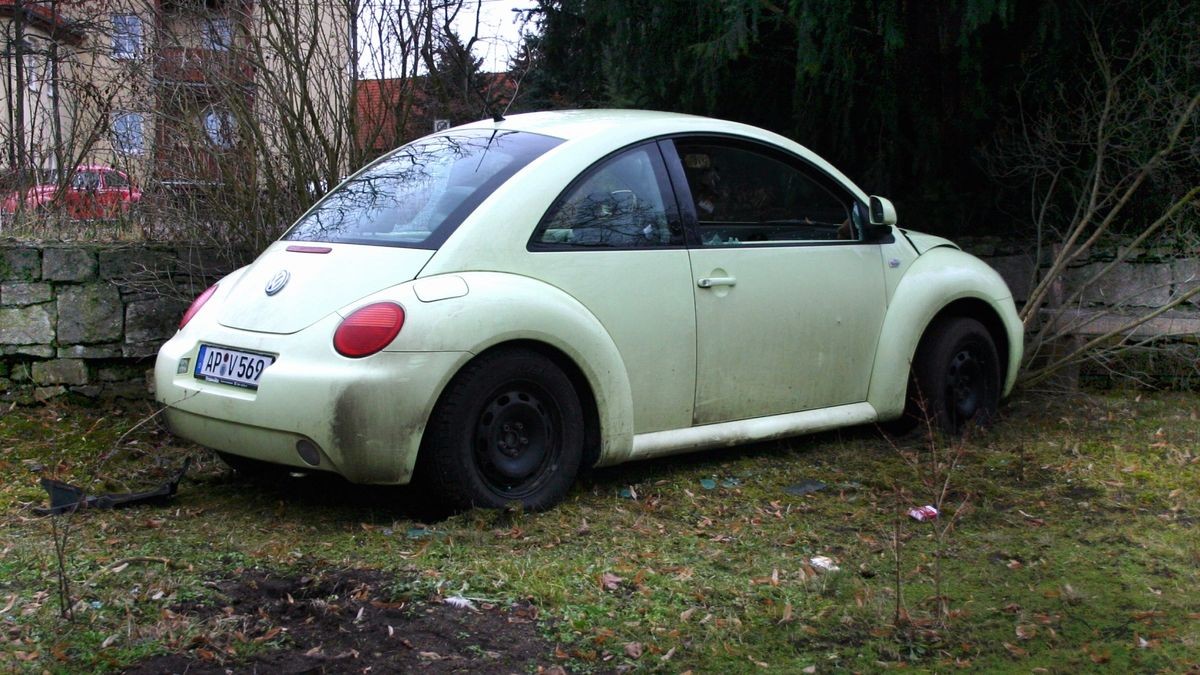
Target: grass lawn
[(1069, 542)]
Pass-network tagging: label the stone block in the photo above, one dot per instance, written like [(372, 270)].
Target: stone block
[(1185, 274), (128, 390), (118, 373), (60, 371), (135, 263), (1125, 285), (89, 314), (19, 372), (108, 351), (40, 351), (22, 293), (88, 390), (1017, 271), (20, 263), (68, 264), (204, 265), (152, 320), (140, 350), (43, 394), (27, 325)]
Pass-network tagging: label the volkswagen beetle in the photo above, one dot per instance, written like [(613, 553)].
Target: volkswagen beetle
[(490, 309)]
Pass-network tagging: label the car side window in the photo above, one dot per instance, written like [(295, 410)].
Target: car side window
[(114, 179), (744, 195), (86, 180), (625, 201)]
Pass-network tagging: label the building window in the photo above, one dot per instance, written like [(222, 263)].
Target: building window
[(129, 135), (126, 36), (36, 71), (220, 127), (218, 33)]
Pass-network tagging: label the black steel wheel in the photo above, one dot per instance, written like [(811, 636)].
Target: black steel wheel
[(508, 428), (956, 380)]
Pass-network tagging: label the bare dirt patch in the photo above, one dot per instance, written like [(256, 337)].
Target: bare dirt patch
[(346, 621)]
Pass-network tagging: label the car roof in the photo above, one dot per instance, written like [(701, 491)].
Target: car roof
[(628, 126), (576, 124)]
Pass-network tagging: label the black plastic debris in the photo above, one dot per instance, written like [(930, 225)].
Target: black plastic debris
[(65, 497)]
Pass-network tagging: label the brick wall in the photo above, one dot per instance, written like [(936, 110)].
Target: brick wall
[(89, 319)]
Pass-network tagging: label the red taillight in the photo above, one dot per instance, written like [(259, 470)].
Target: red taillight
[(196, 305), (368, 330)]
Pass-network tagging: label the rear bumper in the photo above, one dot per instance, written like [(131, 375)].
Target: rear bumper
[(365, 416)]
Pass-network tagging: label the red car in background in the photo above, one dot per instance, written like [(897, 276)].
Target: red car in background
[(93, 192)]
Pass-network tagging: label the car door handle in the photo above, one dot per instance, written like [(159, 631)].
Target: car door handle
[(709, 282)]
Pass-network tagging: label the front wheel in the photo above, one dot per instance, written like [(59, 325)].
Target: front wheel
[(956, 379), (509, 428)]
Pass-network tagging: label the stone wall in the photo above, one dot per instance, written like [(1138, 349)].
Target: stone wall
[(89, 319), (1147, 281), (1167, 351)]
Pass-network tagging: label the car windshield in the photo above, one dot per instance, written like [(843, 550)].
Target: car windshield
[(418, 194)]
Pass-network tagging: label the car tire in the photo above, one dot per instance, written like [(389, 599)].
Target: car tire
[(956, 380), (508, 429)]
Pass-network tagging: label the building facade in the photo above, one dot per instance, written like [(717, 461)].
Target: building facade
[(175, 92)]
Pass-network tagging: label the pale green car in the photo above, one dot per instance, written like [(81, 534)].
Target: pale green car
[(492, 308)]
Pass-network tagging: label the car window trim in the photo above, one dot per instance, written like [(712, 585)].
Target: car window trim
[(669, 195), (691, 220)]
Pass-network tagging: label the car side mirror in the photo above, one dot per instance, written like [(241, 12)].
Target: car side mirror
[(882, 212)]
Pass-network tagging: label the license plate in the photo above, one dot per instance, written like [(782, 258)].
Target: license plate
[(230, 366)]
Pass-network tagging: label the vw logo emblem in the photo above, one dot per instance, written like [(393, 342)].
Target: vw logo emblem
[(277, 282)]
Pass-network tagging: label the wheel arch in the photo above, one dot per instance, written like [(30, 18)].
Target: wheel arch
[(583, 387), (984, 313), (941, 283), (541, 318)]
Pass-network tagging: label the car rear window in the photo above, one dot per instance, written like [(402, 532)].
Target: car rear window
[(418, 194)]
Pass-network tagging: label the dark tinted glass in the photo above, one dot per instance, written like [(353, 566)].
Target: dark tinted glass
[(623, 202), (419, 193), (743, 195)]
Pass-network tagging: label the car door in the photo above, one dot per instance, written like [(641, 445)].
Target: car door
[(82, 196), (789, 297), (614, 241), (113, 192)]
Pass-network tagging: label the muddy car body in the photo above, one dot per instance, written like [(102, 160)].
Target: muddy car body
[(492, 308)]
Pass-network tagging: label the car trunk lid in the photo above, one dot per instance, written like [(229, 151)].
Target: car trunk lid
[(294, 284)]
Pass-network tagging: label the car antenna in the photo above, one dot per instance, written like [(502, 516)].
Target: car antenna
[(498, 117), (487, 107)]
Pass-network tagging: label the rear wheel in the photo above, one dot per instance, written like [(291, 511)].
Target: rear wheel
[(956, 379), (509, 428)]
